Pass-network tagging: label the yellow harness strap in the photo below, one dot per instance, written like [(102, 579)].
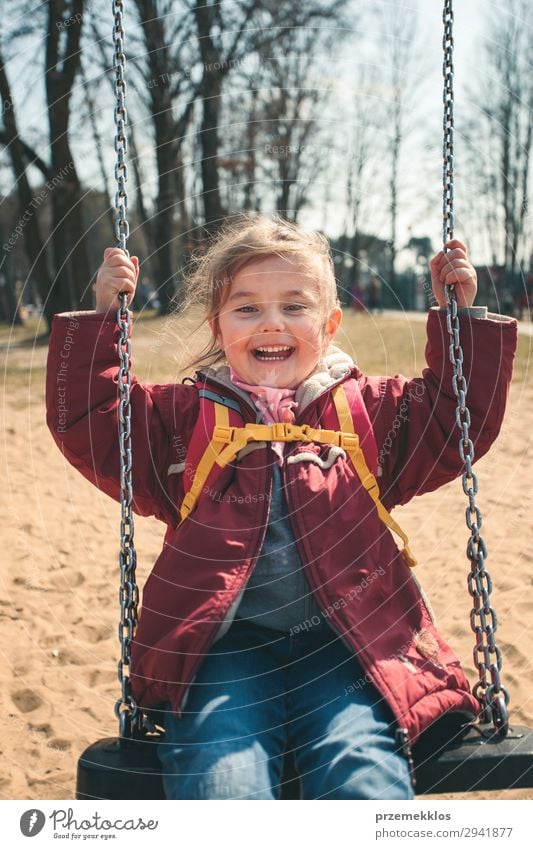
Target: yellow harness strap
[(205, 465), (365, 475), (235, 438)]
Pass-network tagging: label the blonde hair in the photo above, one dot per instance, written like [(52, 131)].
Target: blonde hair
[(247, 238)]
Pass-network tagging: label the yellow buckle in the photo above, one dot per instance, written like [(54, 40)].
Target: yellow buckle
[(278, 431), (223, 434), (285, 432)]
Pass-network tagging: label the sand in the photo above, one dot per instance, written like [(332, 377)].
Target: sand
[(59, 599)]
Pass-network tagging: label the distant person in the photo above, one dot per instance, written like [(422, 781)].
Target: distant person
[(507, 301), (357, 301), (524, 300), (374, 301), (148, 294)]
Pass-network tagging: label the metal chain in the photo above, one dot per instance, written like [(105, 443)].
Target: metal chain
[(126, 708), (447, 153), (493, 697), (122, 229)]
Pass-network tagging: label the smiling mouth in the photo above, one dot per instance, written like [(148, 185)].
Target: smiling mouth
[(269, 353)]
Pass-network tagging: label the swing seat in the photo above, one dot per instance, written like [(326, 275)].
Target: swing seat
[(477, 760), (115, 768)]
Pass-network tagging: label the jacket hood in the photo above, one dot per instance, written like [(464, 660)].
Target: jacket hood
[(332, 366)]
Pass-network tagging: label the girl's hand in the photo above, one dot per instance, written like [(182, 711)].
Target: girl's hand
[(454, 269), (118, 273)]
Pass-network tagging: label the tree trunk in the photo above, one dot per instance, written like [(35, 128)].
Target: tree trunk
[(168, 140), (210, 94), (395, 159), (34, 246), (165, 213), (99, 150), (144, 218), (209, 143), (71, 285), (251, 164)]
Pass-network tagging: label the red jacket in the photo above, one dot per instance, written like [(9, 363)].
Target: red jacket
[(344, 546)]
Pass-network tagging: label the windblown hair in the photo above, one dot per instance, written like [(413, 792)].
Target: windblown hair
[(248, 238)]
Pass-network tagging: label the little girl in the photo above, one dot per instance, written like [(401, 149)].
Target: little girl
[(281, 613)]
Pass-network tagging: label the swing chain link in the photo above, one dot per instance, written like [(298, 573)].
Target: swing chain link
[(493, 697), (126, 708), (447, 70), (122, 229)]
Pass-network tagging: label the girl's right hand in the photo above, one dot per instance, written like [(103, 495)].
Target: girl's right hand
[(118, 273)]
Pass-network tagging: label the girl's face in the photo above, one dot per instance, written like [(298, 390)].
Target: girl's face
[(274, 303)]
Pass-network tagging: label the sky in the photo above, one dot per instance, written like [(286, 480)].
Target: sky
[(420, 215)]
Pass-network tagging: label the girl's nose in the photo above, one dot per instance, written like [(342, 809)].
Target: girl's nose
[(272, 319)]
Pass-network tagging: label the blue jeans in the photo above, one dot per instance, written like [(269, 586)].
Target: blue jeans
[(259, 691)]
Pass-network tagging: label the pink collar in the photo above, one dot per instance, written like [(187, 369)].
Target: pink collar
[(275, 404)]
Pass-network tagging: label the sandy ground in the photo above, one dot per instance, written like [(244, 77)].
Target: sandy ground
[(59, 599)]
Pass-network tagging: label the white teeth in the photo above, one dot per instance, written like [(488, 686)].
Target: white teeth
[(275, 348)]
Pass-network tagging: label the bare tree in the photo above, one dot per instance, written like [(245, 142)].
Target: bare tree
[(214, 23), (88, 91), (296, 147), (164, 26), (274, 144), (240, 155), (68, 287), (499, 138), (19, 156), (160, 55), (399, 27), (62, 64), (510, 112), (362, 172)]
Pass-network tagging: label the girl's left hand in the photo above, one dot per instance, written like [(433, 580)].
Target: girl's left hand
[(453, 268)]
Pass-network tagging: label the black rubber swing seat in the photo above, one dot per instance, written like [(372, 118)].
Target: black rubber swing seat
[(114, 768), (479, 760)]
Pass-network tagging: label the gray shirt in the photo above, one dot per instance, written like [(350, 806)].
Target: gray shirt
[(277, 594)]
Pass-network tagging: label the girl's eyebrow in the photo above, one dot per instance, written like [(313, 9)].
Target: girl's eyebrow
[(243, 294)]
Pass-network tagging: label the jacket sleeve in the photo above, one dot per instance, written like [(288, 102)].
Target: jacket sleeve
[(82, 412), (415, 420)]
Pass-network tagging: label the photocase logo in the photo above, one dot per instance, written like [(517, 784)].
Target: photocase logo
[(32, 822)]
